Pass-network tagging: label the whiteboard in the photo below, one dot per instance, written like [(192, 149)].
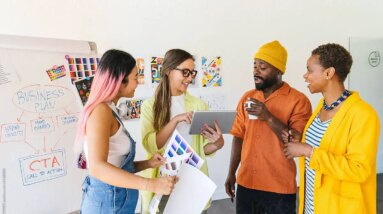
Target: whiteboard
[(38, 116), (366, 77)]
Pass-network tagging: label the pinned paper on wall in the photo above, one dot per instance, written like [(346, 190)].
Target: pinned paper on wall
[(141, 70), (83, 88), (130, 109), (211, 72), (7, 72), (81, 67), (156, 67), (214, 101), (56, 72)]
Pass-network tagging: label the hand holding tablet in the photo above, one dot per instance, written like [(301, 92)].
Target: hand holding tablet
[(224, 119)]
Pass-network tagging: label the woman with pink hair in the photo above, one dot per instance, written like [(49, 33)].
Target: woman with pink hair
[(106, 148)]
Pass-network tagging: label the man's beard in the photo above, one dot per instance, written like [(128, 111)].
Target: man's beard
[(266, 83)]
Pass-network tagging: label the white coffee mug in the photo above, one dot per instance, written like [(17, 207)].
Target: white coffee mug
[(247, 106)]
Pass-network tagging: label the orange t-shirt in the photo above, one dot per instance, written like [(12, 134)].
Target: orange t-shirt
[(263, 164)]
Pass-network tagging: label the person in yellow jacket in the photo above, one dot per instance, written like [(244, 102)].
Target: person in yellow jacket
[(172, 108), (340, 141)]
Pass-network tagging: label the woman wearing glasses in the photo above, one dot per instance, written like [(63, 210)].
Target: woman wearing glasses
[(172, 108)]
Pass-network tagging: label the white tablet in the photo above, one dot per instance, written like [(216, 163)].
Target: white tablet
[(225, 120)]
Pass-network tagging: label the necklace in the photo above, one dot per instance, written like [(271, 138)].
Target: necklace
[(342, 98)]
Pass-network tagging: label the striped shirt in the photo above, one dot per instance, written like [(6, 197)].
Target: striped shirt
[(313, 137)]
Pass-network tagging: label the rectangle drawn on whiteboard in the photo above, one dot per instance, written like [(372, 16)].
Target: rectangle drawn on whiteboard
[(43, 125), (39, 168), (12, 132)]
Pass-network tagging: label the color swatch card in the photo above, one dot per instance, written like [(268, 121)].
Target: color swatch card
[(177, 153), (178, 146)]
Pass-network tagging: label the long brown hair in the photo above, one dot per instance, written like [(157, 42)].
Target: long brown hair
[(162, 99)]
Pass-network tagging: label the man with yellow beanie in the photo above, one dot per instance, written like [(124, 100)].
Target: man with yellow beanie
[(266, 178)]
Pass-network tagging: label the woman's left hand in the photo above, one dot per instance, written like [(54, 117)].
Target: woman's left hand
[(156, 161), (213, 135), (297, 149)]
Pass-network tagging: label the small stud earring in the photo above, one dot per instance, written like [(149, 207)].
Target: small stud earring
[(326, 78)]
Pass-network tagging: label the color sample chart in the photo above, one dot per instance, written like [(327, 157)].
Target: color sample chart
[(177, 146), (81, 67)]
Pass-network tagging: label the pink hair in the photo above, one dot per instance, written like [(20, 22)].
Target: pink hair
[(104, 88)]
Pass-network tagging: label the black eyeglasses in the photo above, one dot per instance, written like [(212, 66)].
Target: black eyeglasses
[(186, 72)]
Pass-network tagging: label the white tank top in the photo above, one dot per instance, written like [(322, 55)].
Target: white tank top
[(119, 144)]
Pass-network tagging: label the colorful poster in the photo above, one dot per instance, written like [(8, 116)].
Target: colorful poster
[(130, 109), (156, 67), (81, 67), (141, 70), (211, 72), (83, 88), (56, 72)]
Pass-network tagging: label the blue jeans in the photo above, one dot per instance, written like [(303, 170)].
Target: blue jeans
[(99, 197)]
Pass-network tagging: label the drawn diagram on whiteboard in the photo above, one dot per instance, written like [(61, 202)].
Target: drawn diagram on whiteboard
[(48, 106)]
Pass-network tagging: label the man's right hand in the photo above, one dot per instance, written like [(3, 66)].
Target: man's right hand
[(230, 185)]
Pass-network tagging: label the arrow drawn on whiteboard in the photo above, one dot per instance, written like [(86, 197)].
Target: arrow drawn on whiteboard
[(66, 111), (19, 117), (45, 146), (54, 147), (34, 148)]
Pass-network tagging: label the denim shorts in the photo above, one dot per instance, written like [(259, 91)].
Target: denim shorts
[(99, 197)]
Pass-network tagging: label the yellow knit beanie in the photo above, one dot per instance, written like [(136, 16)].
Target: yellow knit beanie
[(273, 53)]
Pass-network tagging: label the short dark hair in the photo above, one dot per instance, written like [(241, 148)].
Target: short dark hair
[(336, 56)]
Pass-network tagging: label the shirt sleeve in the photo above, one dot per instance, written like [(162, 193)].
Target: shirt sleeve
[(147, 129), (301, 114), (239, 128)]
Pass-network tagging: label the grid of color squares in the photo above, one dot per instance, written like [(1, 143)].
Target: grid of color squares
[(80, 68), (180, 147), (56, 72)]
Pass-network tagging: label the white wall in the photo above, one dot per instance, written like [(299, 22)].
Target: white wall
[(231, 29)]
